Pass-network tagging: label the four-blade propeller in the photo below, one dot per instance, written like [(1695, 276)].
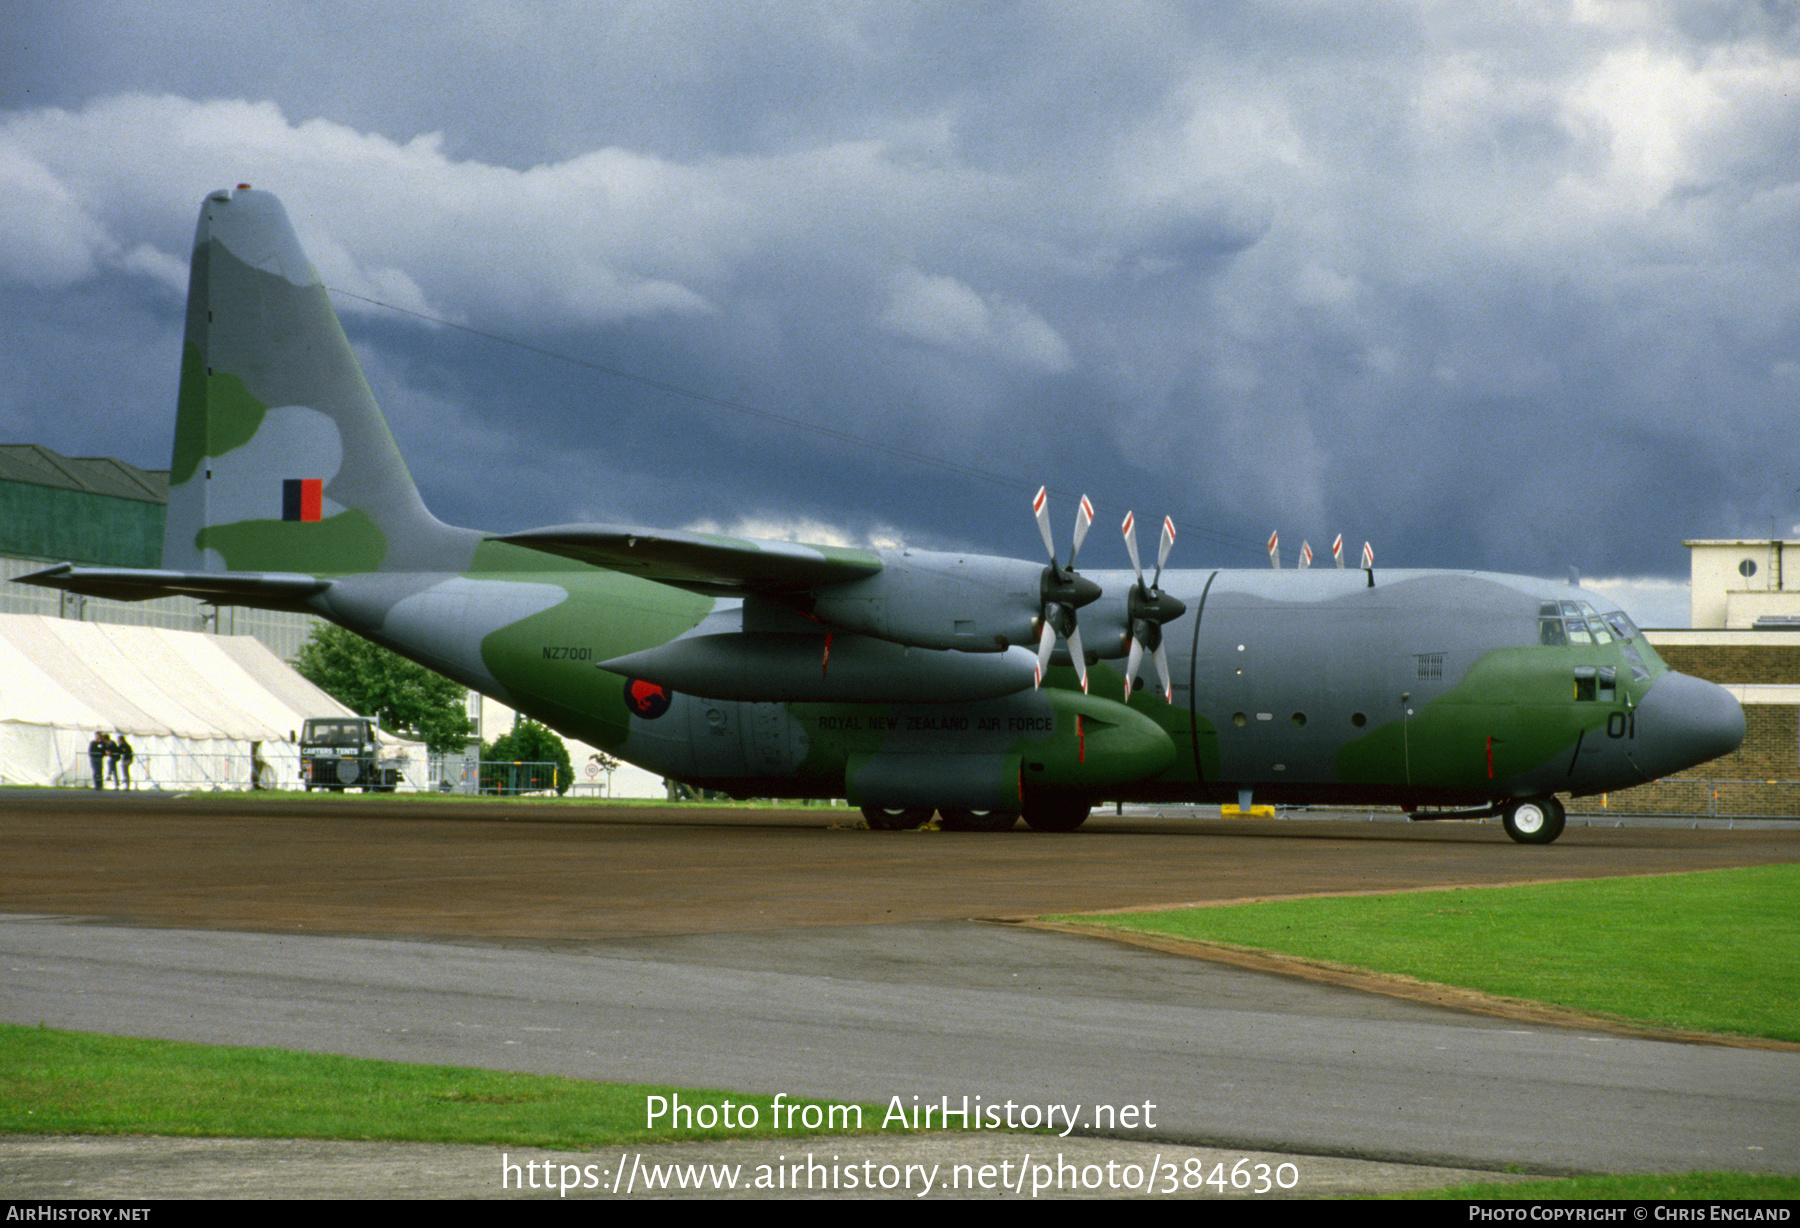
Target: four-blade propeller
[(1147, 608), (1062, 592)]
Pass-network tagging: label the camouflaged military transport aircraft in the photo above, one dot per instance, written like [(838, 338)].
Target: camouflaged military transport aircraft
[(906, 680)]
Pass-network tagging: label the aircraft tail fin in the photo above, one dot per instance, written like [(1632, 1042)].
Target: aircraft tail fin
[(283, 461)]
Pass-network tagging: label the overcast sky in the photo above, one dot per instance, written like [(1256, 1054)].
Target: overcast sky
[(1510, 286)]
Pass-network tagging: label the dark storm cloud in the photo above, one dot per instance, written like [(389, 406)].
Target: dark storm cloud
[(1509, 287)]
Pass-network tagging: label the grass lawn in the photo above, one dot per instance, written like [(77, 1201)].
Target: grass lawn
[(1636, 1187), (1711, 951), (55, 1082)]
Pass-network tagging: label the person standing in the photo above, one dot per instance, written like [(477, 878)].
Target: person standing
[(126, 755), (97, 757), (112, 759)]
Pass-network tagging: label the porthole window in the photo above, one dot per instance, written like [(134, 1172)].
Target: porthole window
[(1747, 568), (1358, 719), (1299, 719), (1239, 719)]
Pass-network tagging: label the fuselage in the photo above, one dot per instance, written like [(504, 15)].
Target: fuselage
[(1414, 688)]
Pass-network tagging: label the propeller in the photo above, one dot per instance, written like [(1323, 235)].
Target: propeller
[(1147, 608), (1061, 591)]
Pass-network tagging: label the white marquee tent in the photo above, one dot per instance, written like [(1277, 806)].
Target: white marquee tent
[(199, 710)]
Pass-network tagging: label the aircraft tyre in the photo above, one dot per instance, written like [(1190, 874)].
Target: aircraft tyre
[(1055, 813), (880, 819), (1534, 820), (977, 820)]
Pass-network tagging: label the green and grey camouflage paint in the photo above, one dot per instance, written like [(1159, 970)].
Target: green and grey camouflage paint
[(900, 679)]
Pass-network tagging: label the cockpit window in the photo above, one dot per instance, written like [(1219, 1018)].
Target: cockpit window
[(1576, 622), (1585, 688), (1596, 684)]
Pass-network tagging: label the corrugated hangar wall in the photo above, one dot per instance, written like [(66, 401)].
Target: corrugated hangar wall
[(105, 512), (59, 523)]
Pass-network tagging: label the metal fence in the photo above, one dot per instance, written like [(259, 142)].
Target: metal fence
[(1692, 798), (225, 771), (1698, 798), (193, 770), (498, 777)]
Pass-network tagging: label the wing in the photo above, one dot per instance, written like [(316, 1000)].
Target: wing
[(708, 563)]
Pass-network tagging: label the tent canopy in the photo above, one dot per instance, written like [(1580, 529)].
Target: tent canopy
[(199, 709)]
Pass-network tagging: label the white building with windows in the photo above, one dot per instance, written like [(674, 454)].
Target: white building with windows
[(1739, 583)]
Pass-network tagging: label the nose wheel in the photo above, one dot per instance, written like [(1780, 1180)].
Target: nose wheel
[(1534, 820)]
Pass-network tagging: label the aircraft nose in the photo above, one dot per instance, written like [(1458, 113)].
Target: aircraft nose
[(1684, 721)]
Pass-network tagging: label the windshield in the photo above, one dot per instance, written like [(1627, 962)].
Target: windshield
[(335, 733)]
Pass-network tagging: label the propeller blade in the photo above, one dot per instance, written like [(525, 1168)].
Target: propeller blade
[(1131, 666), (1079, 657), (1162, 552), (1040, 507), (1129, 529), (1161, 657), (1046, 644), (1084, 520)]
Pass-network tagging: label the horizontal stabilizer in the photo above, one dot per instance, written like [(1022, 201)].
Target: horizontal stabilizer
[(267, 589), (702, 562)]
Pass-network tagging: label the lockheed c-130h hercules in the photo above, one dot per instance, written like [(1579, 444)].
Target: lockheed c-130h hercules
[(908, 681)]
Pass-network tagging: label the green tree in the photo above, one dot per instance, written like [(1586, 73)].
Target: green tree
[(408, 699), (530, 742)]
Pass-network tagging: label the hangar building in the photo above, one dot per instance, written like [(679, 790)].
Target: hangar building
[(105, 512)]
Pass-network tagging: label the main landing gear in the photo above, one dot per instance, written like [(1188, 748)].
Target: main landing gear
[(1534, 820), (880, 819), (1040, 814), (977, 820), (1055, 813)]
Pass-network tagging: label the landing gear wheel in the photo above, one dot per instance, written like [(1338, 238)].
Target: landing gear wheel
[(1534, 820), (977, 820), (1055, 813), (880, 819)]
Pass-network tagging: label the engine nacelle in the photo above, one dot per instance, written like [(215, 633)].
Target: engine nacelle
[(969, 602), (817, 667)]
